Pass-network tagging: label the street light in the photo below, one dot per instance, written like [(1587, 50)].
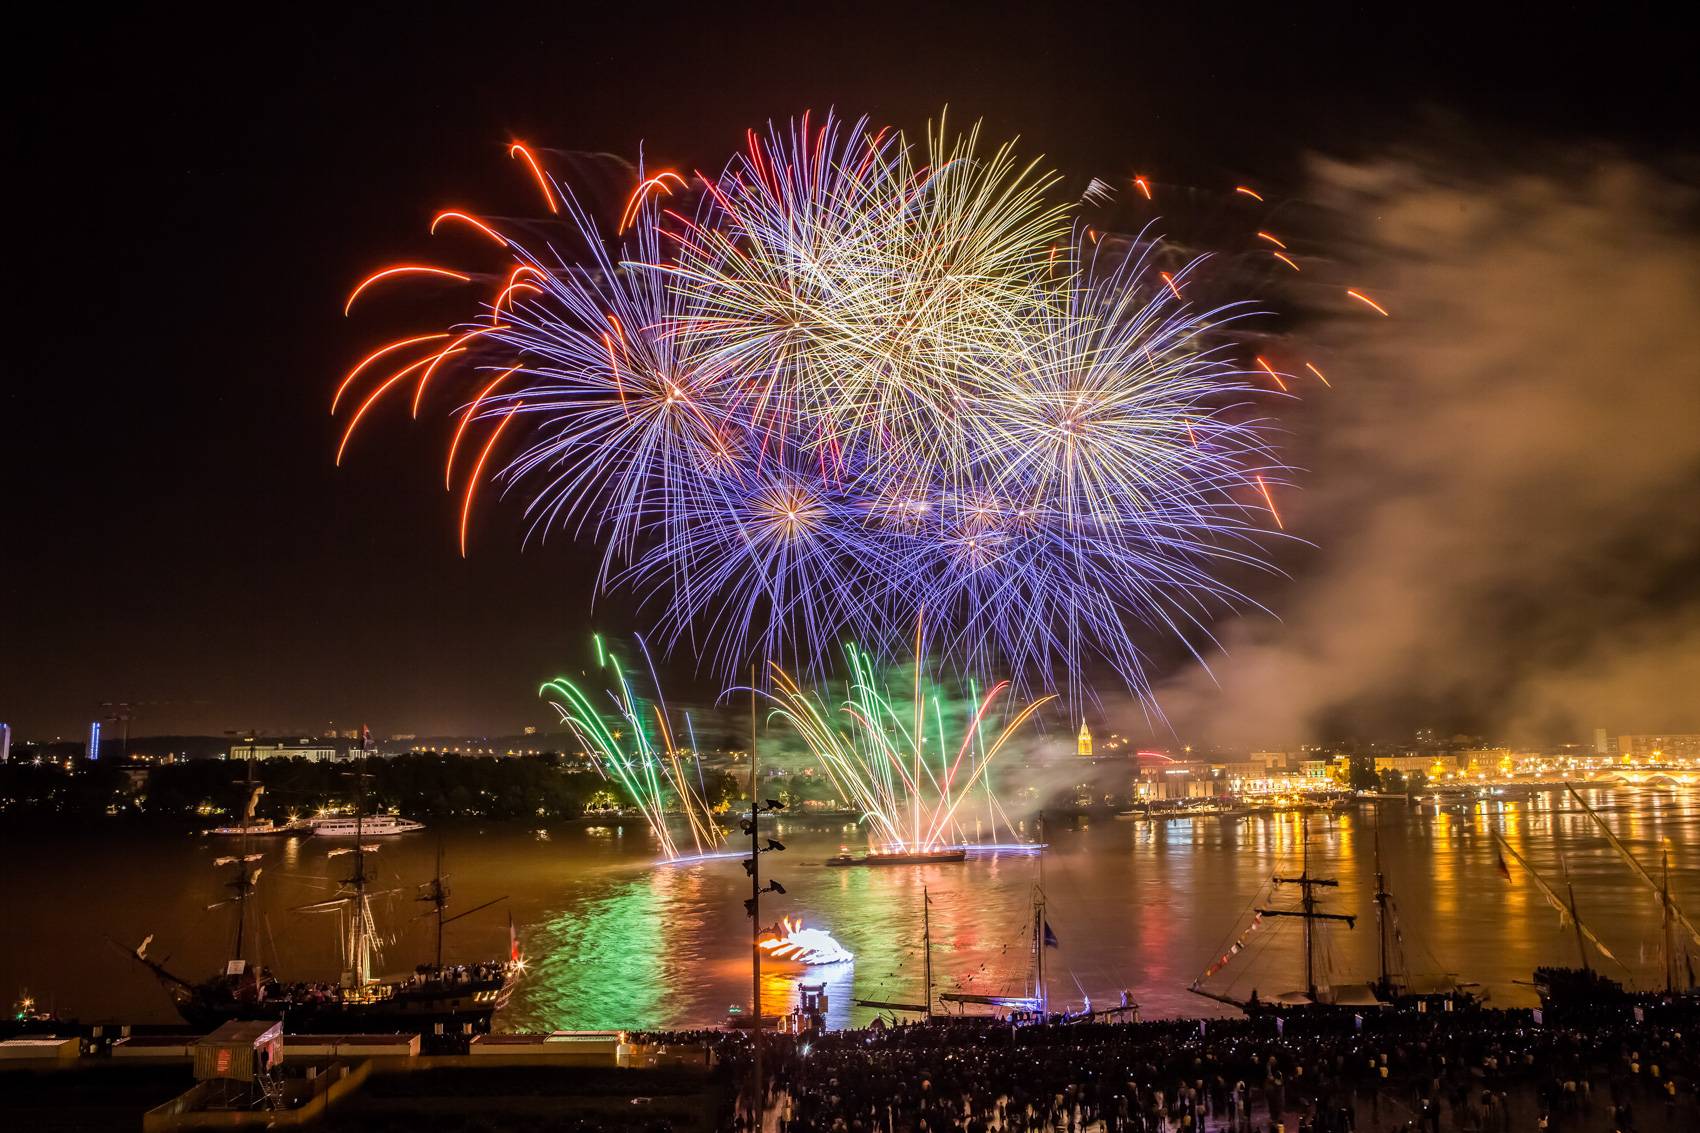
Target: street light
[(752, 906)]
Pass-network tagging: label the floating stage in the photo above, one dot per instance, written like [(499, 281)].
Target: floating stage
[(899, 857), (942, 855)]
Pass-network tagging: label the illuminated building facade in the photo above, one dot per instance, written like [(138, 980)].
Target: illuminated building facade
[(94, 740), (5, 741), (1677, 746), (318, 753), (1083, 745)]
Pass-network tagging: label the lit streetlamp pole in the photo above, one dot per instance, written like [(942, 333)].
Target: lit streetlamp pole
[(752, 866)]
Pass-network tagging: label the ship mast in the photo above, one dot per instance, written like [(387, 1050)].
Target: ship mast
[(1672, 915), (243, 887), (437, 894), (1307, 909), (1383, 914), (1565, 907), (439, 898), (360, 942), (1039, 949), (1666, 925), (924, 1008), (242, 884), (359, 949), (1570, 894), (927, 946)]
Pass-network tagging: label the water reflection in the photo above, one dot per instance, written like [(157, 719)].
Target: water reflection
[(615, 940), (616, 954)]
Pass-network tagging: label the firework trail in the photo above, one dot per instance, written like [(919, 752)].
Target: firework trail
[(897, 762), (634, 747), (850, 378)]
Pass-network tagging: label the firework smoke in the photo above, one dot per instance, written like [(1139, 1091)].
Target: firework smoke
[(1508, 542)]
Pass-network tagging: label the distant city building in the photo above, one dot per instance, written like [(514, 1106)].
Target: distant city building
[(531, 729), (1083, 745), (1439, 764), (1176, 780), (1602, 745), (5, 742), (1684, 745), (1241, 771), (94, 740), (318, 753), (1273, 760), (1405, 764)]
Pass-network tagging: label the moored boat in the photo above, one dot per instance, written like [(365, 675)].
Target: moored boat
[(369, 826), (1586, 988), (457, 997), (262, 828), (901, 857), (1392, 986)]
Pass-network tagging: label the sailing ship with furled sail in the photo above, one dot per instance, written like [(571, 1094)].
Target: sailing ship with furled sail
[(1678, 959), (1393, 985), (1585, 985), (456, 996)]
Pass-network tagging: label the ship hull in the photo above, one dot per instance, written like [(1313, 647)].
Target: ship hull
[(472, 1004), (368, 828), (932, 858), (1577, 989)]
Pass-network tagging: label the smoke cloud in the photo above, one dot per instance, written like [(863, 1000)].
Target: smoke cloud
[(1503, 486)]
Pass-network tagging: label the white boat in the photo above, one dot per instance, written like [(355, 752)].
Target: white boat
[(373, 824), (262, 828)]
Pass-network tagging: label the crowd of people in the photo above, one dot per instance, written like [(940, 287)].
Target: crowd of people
[(454, 975), (1478, 1071)]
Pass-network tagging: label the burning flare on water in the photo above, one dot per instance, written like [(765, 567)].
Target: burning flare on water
[(789, 940)]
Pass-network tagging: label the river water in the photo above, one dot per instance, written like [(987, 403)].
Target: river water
[(614, 940)]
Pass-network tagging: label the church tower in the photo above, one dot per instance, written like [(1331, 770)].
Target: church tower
[(1083, 746)]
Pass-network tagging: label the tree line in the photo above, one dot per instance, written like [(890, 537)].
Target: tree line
[(419, 785)]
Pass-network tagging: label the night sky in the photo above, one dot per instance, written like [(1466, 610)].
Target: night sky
[(193, 197)]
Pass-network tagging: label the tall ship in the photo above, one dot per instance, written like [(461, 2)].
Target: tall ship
[(1586, 986), (1674, 952), (459, 997), (1392, 986)]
